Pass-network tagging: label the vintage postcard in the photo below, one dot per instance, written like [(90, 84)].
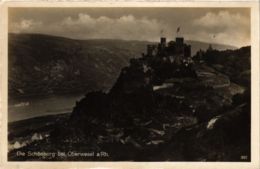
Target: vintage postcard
[(130, 85)]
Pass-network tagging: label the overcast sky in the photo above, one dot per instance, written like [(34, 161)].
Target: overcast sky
[(215, 25)]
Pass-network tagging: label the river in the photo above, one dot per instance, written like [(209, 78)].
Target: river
[(25, 108)]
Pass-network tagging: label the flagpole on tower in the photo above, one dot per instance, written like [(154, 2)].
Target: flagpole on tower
[(178, 30)]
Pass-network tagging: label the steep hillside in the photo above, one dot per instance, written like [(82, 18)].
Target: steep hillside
[(40, 64), (43, 64), (234, 63)]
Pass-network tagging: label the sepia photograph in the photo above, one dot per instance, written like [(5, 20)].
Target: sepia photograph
[(131, 84)]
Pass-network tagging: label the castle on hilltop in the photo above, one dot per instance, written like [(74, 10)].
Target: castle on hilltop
[(161, 62), (175, 51)]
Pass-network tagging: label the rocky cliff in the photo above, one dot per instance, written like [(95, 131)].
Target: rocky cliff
[(159, 110)]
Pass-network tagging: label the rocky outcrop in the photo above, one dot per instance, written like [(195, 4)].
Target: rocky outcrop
[(166, 112)]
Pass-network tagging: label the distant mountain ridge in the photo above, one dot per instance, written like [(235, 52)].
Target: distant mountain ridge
[(41, 64)]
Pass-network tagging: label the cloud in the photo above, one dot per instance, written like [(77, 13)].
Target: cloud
[(222, 18), (25, 25), (125, 27), (223, 27), (220, 27), (84, 26)]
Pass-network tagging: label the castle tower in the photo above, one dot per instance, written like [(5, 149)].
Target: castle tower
[(179, 40), (210, 48), (150, 49), (163, 42)]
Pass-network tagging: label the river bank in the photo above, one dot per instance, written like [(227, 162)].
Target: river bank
[(24, 132)]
